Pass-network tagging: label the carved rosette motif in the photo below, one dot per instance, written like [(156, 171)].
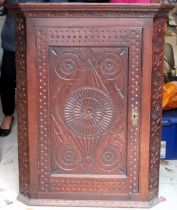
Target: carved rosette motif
[(67, 158), (110, 65), (66, 65), (22, 106), (88, 112), (156, 104), (110, 157)]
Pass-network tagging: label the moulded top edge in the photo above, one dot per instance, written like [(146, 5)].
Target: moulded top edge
[(33, 10), (91, 6)]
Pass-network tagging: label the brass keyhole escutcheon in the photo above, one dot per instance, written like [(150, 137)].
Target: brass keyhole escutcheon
[(134, 117)]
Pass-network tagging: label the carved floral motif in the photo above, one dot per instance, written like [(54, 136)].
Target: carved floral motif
[(110, 65)]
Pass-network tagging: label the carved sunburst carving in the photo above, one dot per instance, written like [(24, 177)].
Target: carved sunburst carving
[(88, 112)]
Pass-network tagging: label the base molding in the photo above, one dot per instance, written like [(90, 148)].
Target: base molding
[(87, 203)]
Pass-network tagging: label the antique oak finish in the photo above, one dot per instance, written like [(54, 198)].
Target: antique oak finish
[(89, 80)]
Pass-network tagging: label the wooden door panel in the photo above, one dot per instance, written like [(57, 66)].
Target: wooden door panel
[(93, 93), (88, 110)]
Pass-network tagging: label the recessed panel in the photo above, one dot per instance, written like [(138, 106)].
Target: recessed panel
[(88, 110)]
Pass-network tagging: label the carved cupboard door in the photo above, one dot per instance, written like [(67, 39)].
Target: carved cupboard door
[(89, 103)]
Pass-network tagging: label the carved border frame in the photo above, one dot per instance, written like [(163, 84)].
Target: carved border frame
[(44, 39)]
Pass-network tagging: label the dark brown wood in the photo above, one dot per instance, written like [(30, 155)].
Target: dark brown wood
[(156, 103), (89, 80)]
